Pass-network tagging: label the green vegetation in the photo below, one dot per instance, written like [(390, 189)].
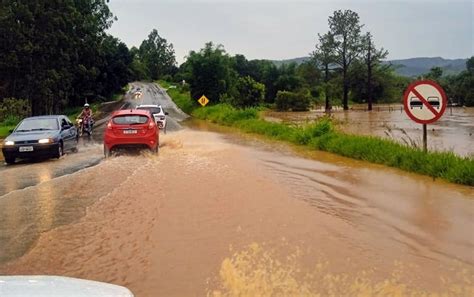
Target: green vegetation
[(322, 136), (292, 101)]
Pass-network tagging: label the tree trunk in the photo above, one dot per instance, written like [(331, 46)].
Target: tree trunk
[(369, 78), (345, 99), (326, 79)]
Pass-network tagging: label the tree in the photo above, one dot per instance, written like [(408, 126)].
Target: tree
[(372, 57), (435, 73), (324, 55), (157, 55), (210, 73), (52, 52), (250, 92), (345, 30)]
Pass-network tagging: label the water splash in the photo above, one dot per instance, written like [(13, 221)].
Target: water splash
[(257, 271)]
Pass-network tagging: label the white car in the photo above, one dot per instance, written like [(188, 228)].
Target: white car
[(158, 113), (47, 286)]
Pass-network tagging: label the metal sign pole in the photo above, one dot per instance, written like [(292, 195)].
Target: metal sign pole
[(425, 139)]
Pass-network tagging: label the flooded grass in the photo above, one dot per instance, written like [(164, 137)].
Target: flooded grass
[(321, 135)]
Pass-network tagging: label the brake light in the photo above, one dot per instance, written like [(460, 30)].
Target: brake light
[(151, 125), (109, 125)]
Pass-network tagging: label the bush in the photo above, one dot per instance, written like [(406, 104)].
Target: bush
[(292, 101), (13, 110), (167, 77), (250, 92)]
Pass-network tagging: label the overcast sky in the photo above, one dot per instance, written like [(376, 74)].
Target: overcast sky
[(265, 29)]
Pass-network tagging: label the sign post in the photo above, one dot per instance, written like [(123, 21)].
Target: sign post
[(425, 102)]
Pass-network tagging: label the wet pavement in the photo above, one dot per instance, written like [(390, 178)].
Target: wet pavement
[(224, 214)]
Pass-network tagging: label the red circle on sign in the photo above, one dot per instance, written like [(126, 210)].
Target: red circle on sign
[(411, 88)]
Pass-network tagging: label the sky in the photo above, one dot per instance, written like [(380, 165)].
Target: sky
[(265, 29)]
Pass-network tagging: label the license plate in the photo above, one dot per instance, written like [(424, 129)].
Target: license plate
[(26, 148), (130, 131)]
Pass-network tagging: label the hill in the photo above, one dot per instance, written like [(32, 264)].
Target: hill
[(407, 67)]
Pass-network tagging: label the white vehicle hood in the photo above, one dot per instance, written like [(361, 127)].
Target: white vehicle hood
[(52, 286)]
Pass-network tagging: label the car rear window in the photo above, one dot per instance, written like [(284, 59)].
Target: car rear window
[(153, 110), (130, 119)]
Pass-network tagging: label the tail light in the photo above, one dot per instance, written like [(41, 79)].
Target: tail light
[(109, 125), (151, 125)]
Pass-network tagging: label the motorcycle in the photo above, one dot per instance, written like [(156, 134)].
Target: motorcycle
[(84, 126)]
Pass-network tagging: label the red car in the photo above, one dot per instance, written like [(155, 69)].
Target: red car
[(131, 128)]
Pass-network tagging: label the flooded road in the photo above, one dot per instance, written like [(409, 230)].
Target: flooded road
[(453, 132), (223, 214)]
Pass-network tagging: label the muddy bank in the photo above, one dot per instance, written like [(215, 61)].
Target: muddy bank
[(179, 224)]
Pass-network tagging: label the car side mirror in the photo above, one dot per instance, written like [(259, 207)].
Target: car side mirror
[(166, 113), (66, 126)]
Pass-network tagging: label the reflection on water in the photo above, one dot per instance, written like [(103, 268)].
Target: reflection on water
[(453, 132)]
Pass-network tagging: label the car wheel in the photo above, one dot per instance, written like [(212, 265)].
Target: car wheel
[(60, 151), (106, 152), (10, 160)]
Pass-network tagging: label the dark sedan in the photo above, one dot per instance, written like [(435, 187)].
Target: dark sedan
[(43, 136)]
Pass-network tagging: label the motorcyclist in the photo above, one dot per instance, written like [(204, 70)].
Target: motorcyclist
[(86, 116)]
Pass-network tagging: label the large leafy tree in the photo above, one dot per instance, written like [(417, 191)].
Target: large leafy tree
[(157, 55), (210, 73), (55, 53), (344, 27)]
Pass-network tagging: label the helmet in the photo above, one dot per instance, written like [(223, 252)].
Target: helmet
[(86, 105)]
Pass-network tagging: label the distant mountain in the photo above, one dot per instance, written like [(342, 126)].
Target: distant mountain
[(298, 61), (408, 67), (418, 66)]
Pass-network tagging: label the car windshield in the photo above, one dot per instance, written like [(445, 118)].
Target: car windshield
[(130, 119), (153, 110), (38, 124)]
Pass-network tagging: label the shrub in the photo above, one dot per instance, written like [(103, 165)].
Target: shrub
[(13, 110), (250, 92), (292, 101)]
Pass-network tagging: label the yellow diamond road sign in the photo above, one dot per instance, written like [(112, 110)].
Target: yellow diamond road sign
[(203, 100)]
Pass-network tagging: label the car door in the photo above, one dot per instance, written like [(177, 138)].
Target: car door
[(66, 135), (73, 132)]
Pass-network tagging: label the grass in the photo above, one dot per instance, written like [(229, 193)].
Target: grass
[(5, 130), (180, 97)]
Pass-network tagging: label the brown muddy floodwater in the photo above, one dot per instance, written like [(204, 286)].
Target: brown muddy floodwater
[(227, 215), (453, 132)]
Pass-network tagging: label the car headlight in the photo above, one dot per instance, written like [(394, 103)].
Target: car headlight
[(9, 142), (45, 140)]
